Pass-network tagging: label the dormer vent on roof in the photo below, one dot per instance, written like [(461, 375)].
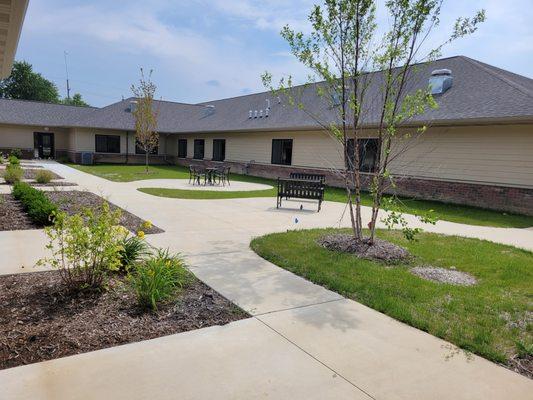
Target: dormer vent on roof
[(132, 106), (209, 110), (440, 81)]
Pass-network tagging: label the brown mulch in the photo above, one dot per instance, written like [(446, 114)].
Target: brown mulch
[(13, 216), (53, 183), (522, 365), (40, 320), (380, 250), (73, 202)]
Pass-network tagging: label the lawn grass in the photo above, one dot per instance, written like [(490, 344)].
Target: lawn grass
[(492, 318), (443, 211)]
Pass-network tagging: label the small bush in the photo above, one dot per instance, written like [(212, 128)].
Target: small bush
[(16, 153), (158, 278), (13, 174), (85, 247), (134, 249), (43, 176), (13, 160), (39, 207)]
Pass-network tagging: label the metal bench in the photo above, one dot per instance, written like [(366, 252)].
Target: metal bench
[(308, 177), (300, 189)]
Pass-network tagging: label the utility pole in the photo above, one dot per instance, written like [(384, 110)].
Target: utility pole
[(66, 70)]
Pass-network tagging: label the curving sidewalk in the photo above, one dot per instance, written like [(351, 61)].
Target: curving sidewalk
[(303, 340)]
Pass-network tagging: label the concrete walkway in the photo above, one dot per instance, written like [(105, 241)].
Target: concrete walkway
[(302, 342)]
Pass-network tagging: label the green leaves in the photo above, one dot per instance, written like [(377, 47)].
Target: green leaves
[(85, 247)]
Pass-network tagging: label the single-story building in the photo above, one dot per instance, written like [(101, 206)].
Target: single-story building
[(477, 150)]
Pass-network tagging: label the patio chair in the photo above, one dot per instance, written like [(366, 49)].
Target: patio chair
[(222, 175), (196, 173)]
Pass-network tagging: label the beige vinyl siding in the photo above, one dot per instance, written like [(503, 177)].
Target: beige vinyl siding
[(500, 155), (83, 139), (21, 136), (310, 149), (496, 154)]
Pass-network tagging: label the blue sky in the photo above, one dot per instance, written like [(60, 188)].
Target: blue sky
[(202, 50)]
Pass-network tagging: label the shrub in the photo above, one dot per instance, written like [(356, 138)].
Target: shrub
[(158, 278), (17, 153), (134, 249), (39, 207), (13, 160), (85, 247), (43, 176), (13, 173)]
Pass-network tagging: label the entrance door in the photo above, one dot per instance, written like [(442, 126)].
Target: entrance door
[(44, 144)]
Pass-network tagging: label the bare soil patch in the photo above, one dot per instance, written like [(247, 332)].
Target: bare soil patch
[(41, 321), (73, 202), (13, 216), (380, 250), (444, 275)]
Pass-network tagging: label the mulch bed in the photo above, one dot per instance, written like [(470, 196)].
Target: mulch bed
[(13, 216), (40, 320), (53, 183), (381, 250), (73, 202), (31, 173)]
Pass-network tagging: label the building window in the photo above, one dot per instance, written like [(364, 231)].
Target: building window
[(282, 151), (182, 148), (199, 146), (107, 143), (368, 154), (140, 150), (219, 149)]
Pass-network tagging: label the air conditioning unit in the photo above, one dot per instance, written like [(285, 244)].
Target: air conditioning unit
[(87, 158)]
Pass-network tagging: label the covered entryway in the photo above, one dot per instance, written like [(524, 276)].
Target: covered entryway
[(44, 144)]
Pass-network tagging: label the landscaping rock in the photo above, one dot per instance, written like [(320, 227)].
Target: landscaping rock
[(380, 250), (443, 275)]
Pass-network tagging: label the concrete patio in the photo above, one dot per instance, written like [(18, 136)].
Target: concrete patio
[(303, 341)]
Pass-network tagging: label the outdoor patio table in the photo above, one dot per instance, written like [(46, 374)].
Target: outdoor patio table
[(210, 172)]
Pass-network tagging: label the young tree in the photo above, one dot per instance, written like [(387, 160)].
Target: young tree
[(25, 84), (342, 48), (146, 115)]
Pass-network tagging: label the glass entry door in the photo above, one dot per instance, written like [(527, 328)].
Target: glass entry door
[(44, 144)]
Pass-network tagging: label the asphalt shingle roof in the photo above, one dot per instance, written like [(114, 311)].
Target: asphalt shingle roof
[(480, 92)]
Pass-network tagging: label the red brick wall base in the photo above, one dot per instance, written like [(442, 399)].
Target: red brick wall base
[(500, 198)]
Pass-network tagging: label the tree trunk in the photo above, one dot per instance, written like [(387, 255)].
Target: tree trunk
[(146, 165)]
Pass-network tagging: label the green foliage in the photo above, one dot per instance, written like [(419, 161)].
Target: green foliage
[(16, 152), (395, 216), (13, 173), (157, 278), (25, 84), (85, 247), (44, 176), (343, 46), (134, 249), (39, 207), (76, 100), (13, 159)]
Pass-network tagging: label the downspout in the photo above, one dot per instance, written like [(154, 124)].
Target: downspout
[(127, 146)]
